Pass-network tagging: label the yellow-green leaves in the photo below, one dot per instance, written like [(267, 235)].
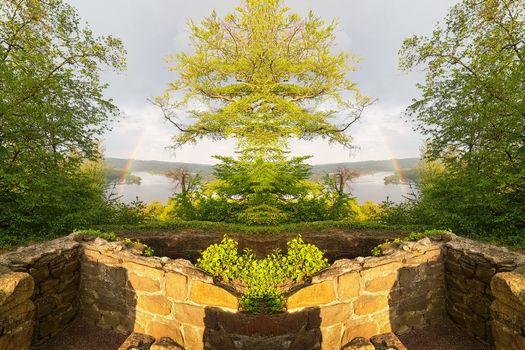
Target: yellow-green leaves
[(262, 72)]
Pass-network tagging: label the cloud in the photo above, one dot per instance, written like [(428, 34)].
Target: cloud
[(372, 29)]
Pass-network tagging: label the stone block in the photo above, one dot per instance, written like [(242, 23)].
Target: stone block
[(381, 284), (155, 304), (166, 328), (144, 271), (334, 314), (166, 343), (137, 341), (359, 343), (331, 337), (359, 328), (381, 270), (211, 295), (368, 304), (193, 337), (509, 288), (387, 340), (312, 295), (190, 314), (15, 288), (176, 286), (143, 284), (348, 286)]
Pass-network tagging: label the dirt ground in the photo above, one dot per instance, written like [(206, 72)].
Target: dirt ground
[(79, 335), (445, 336)]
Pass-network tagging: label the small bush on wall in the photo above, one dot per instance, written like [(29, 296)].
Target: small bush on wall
[(261, 279)]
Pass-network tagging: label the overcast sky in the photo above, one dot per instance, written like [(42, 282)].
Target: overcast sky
[(371, 29)]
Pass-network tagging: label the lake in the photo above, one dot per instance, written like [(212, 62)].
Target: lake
[(159, 187)]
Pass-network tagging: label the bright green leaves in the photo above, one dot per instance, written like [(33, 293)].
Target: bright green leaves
[(262, 279), (262, 73), (52, 112), (472, 111)]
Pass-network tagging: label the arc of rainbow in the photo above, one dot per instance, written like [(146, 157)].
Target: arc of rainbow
[(129, 163), (395, 162)]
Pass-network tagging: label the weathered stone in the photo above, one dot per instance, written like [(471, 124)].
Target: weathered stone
[(166, 328), (156, 304), (211, 295), (387, 340), (331, 337), (137, 341), (166, 343), (348, 286), (145, 271), (193, 337), (15, 288), (176, 286), (190, 314), (143, 284), (359, 328), (381, 284), (359, 343), (334, 314), (368, 304), (312, 295), (509, 288)]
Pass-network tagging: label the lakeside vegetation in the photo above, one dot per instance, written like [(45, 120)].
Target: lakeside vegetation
[(471, 179)]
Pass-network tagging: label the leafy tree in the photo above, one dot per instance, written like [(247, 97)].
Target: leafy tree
[(262, 75), (52, 110), (473, 112)]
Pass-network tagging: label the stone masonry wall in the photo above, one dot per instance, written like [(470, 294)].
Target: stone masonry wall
[(156, 296), (369, 296), (470, 268), (508, 310), (55, 269), (16, 310)]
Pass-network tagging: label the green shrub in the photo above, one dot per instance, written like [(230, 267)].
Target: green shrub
[(262, 277), (108, 236)]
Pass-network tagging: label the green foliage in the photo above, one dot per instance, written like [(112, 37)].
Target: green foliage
[(472, 112), (262, 75), (416, 236), (262, 277), (379, 249), (52, 113), (108, 236)]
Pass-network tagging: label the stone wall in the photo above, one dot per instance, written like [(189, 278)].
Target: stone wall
[(156, 296), (508, 309), (369, 296), (164, 297), (470, 268), (55, 269), (16, 310)]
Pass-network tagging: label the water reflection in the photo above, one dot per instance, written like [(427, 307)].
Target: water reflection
[(159, 187)]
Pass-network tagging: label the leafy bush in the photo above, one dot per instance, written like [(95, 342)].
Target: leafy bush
[(262, 277)]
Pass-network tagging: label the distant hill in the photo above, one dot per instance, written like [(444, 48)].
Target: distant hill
[(367, 166), (160, 167)]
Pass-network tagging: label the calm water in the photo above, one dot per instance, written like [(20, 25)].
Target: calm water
[(158, 187)]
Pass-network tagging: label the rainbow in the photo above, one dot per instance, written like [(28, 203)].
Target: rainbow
[(125, 170), (129, 163), (399, 171)]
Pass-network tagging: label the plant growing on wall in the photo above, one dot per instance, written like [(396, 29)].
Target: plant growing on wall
[(262, 75), (262, 278)]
